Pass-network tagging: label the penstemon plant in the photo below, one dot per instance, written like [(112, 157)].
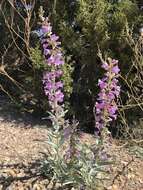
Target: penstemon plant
[(69, 162), (73, 164), (106, 107)]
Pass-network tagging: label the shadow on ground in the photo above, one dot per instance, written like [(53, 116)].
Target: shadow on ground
[(9, 113)]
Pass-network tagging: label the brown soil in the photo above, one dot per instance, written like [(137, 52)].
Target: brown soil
[(21, 144)]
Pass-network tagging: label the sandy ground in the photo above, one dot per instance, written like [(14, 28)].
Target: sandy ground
[(23, 139)]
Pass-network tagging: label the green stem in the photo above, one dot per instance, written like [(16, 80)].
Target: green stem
[(54, 7)]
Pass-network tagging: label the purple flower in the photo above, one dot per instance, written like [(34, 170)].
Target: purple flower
[(58, 73), (45, 45), (48, 76), (112, 110), (46, 29), (111, 95), (59, 96), (46, 51), (115, 69), (102, 95), (54, 37), (102, 84), (48, 86), (105, 66), (59, 84), (58, 60), (114, 61), (116, 90), (55, 60), (100, 105), (44, 40)]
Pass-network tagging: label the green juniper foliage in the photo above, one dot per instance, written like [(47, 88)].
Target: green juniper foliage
[(37, 58)]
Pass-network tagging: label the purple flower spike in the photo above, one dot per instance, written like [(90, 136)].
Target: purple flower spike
[(54, 59), (106, 107)]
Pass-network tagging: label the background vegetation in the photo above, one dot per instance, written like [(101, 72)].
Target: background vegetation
[(84, 27)]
